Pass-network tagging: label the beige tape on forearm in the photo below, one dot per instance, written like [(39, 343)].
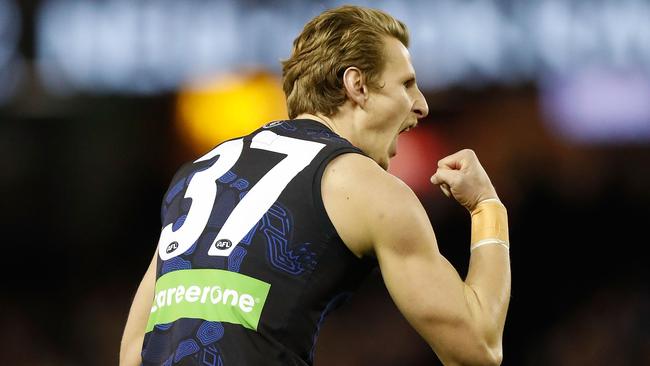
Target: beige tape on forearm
[(490, 224)]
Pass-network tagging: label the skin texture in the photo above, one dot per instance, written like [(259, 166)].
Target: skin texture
[(378, 215), (133, 335), (372, 119), (461, 320)]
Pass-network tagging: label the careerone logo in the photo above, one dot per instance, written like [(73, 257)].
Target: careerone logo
[(209, 294)]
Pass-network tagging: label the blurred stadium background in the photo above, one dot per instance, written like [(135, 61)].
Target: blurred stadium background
[(100, 102)]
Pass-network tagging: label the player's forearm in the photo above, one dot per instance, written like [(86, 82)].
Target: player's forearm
[(131, 344), (130, 354), (133, 336), (488, 278), (488, 282), (132, 339)]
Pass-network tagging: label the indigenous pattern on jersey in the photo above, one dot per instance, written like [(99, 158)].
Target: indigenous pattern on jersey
[(249, 263)]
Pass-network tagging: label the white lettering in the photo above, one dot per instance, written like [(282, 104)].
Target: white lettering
[(170, 293), (215, 299), (180, 290), (246, 303), (206, 290), (192, 293), (160, 299), (234, 294)]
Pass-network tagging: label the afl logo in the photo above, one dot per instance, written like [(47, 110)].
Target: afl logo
[(273, 124), (171, 247), (223, 244)]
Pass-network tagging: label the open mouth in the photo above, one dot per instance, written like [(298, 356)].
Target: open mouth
[(409, 126)]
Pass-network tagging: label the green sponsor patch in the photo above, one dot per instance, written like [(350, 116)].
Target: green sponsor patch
[(210, 294)]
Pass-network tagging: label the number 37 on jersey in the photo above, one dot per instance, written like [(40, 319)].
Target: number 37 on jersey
[(202, 189)]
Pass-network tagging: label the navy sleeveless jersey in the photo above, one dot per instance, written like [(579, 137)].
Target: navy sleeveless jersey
[(249, 263)]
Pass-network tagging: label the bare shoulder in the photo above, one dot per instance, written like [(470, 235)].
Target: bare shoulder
[(364, 201), (359, 174)]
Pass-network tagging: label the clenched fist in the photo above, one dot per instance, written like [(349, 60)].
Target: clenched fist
[(461, 175)]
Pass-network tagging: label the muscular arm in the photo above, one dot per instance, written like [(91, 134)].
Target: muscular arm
[(131, 345), (377, 214)]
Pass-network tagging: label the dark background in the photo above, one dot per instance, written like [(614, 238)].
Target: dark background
[(83, 174)]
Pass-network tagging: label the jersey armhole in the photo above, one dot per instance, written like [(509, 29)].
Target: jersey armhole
[(317, 196), (177, 183)]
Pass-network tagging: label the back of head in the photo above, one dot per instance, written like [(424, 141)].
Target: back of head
[(330, 43)]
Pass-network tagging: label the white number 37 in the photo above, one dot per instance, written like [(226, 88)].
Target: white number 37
[(202, 189)]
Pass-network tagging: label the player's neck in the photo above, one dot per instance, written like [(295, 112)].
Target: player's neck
[(322, 119), (343, 126)]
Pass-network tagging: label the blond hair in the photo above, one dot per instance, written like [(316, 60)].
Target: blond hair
[(330, 43)]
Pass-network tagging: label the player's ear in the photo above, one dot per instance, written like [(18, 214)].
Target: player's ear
[(355, 85)]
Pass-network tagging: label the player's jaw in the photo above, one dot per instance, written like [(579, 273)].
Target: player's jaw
[(405, 127)]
